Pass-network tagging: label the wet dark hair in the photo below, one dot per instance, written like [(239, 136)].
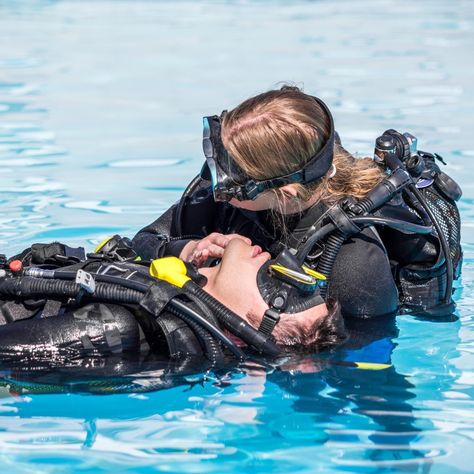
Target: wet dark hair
[(328, 332), (325, 333)]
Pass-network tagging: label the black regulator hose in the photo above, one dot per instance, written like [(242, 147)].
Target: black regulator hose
[(131, 292), (111, 290), (443, 242), (178, 308), (209, 344), (332, 247), (71, 275), (235, 324), (211, 321), (179, 209), (318, 235), (142, 287), (377, 197), (394, 224), (39, 288), (393, 148)]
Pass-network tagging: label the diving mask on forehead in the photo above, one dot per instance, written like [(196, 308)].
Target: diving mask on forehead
[(230, 181)]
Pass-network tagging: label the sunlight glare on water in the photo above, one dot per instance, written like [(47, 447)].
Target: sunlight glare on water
[(100, 131)]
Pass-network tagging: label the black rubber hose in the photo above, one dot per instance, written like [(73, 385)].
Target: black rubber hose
[(384, 191), (320, 234), (335, 241), (131, 284), (377, 197), (142, 287), (123, 291), (394, 224), (209, 344), (229, 319), (332, 247), (216, 332), (179, 209), (234, 323), (415, 204), (209, 316), (360, 221), (207, 313), (396, 164), (29, 287), (443, 242)]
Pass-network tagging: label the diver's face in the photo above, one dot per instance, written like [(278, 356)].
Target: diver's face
[(262, 202), (283, 200), (234, 280), (234, 283)]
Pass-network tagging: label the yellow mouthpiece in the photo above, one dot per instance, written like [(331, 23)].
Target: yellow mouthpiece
[(170, 269)]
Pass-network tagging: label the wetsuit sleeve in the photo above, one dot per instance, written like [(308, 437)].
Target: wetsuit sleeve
[(155, 240), (362, 280), (199, 217)]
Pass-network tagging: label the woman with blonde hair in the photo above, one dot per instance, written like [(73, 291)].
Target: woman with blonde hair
[(274, 166)]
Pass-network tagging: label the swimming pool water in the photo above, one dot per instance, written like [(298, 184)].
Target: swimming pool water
[(100, 130)]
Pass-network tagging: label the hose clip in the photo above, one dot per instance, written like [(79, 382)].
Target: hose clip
[(85, 281)]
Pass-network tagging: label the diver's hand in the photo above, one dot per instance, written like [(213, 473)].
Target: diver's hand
[(212, 246)]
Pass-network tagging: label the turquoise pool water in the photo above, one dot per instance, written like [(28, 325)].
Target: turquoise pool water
[(100, 130)]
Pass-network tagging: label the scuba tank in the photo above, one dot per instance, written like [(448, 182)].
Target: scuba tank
[(430, 193), (160, 292)]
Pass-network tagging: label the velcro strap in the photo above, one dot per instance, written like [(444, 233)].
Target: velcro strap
[(269, 321), (44, 252), (56, 253)]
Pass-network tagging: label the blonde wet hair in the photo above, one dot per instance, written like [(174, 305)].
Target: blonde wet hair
[(277, 132)]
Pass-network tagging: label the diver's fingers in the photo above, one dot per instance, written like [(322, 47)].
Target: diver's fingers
[(223, 239), (238, 236), (199, 258), (188, 251), (211, 246), (212, 239), (213, 251)]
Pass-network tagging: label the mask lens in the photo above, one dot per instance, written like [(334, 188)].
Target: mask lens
[(209, 153), (211, 164), (207, 146), (212, 148)]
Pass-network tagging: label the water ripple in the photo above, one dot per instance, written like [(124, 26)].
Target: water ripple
[(101, 106), (158, 163), (104, 207)]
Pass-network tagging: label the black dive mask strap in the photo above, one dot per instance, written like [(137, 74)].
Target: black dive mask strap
[(230, 181), (270, 319), (286, 286)]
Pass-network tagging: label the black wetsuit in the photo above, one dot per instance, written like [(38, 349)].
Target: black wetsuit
[(363, 275), (91, 330), (58, 328)]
